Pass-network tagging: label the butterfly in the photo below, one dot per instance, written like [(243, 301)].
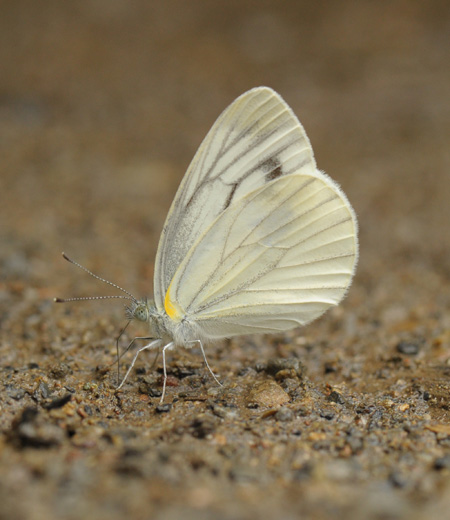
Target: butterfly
[(257, 239)]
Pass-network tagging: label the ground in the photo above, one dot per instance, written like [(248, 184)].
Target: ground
[(102, 105)]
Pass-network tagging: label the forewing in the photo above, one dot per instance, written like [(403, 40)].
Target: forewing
[(273, 260), (255, 140)]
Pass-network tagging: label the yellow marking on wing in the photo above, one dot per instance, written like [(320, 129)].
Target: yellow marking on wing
[(172, 309)]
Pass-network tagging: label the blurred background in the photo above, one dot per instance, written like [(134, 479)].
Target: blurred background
[(103, 103)]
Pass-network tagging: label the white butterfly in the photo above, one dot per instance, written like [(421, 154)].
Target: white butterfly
[(257, 239)]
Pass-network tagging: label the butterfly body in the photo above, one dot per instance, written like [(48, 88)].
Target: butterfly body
[(182, 333)]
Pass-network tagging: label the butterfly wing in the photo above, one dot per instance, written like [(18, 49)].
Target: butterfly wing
[(256, 140), (275, 259)]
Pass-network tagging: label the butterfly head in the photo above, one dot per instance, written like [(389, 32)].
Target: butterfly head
[(140, 310)]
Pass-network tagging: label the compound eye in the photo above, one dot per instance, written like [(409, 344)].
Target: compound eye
[(141, 313)]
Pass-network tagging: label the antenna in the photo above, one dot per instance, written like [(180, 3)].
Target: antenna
[(64, 300)]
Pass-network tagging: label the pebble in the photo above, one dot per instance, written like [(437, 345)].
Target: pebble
[(336, 397), (202, 426), (222, 411), (60, 371), (408, 348), (442, 462), (59, 402), (284, 414), (267, 394), (44, 390), (283, 368), (33, 429), (15, 392), (163, 408)]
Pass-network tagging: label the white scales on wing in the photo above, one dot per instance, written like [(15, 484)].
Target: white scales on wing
[(255, 140)]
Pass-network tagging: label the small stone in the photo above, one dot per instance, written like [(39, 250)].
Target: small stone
[(284, 414), (410, 349), (15, 392), (293, 387), (223, 411), (44, 390), (267, 394), (442, 463), (59, 402), (202, 426), (327, 414), (33, 429), (336, 397), (329, 368), (285, 368), (149, 386), (163, 408), (60, 371)]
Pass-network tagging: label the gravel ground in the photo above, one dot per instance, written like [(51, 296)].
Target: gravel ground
[(102, 105)]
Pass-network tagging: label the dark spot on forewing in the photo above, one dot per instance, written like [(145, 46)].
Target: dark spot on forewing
[(272, 168), (230, 195)]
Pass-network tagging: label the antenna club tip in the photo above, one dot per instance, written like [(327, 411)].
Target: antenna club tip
[(58, 300)]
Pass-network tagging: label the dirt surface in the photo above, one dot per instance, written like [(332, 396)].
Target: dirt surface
[(102, 105)]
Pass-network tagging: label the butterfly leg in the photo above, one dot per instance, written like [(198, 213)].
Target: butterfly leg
[(145, 347), (206, 361), (119, 356), (168, 346)]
